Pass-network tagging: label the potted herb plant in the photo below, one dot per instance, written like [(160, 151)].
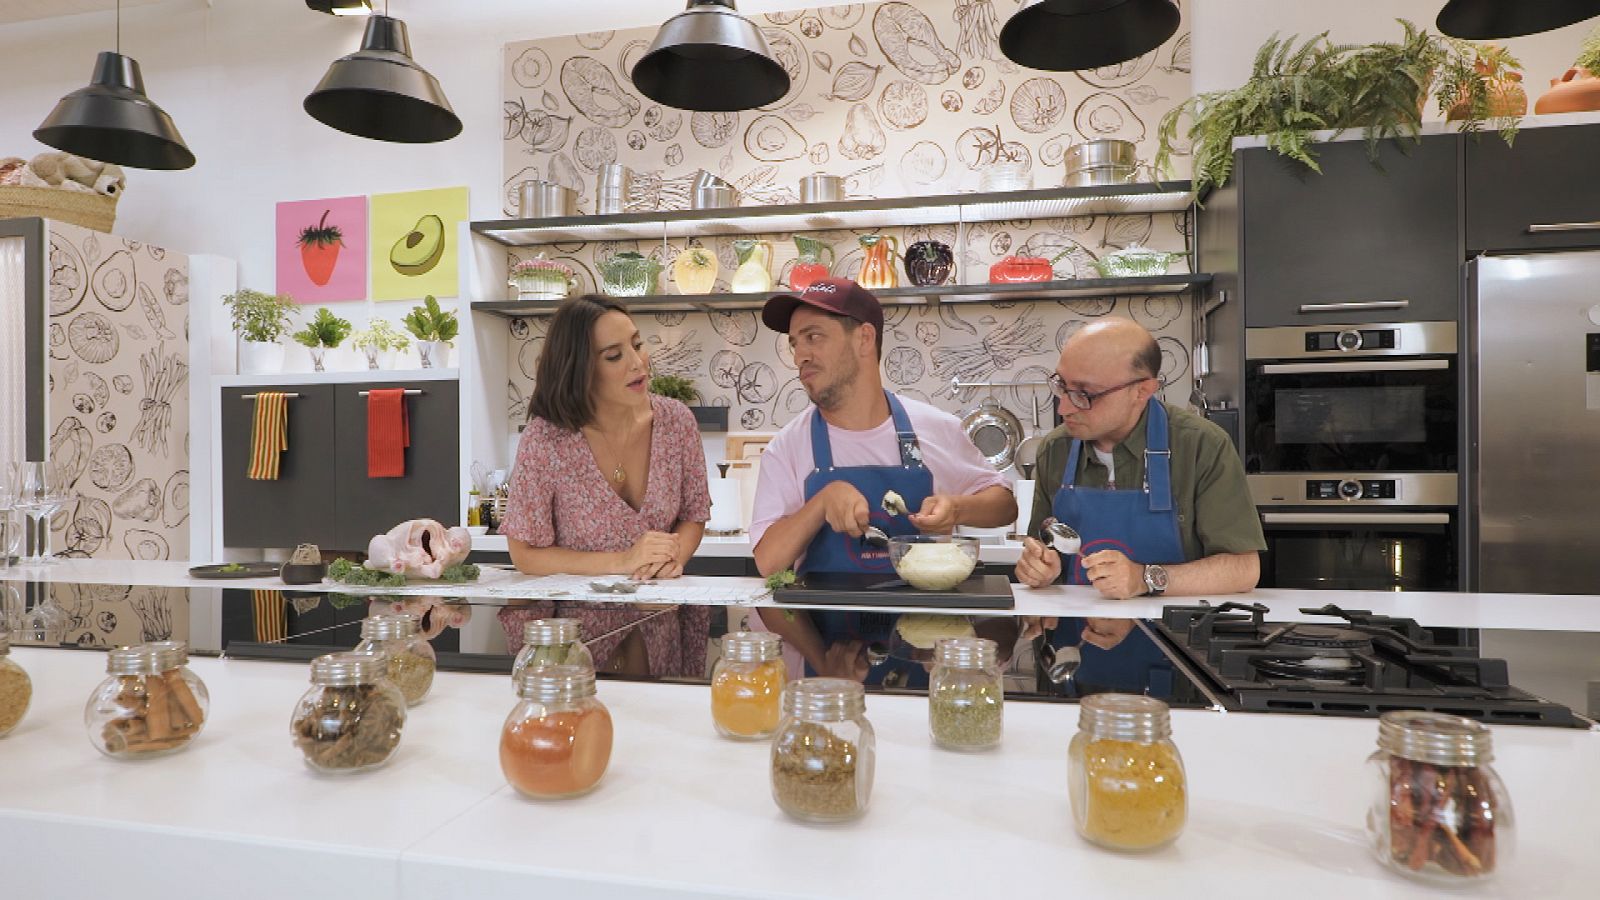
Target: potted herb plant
[(710, 418), (324, 332), (434, 329), (1300, 87), (380, 341), (259, 320)]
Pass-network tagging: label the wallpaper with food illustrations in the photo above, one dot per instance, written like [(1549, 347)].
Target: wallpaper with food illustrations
[(119, 395), (900, 99)]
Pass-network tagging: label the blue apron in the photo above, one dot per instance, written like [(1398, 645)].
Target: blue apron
[(833, 551), (1143, 524)]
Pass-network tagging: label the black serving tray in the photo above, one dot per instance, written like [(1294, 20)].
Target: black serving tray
[(245, 570), (859, 589)]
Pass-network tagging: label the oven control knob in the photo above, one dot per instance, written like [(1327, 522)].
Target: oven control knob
[(1350, 490), (1349, 340)]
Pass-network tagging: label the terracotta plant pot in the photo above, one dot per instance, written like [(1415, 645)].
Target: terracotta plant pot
[(1507, 99), (1576, 91)]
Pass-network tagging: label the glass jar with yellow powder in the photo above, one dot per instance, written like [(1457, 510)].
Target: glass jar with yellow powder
[(1126, 779)]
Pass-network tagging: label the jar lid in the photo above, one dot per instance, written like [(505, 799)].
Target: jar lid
[(751, 646), (389, 627), (556, 684), (140, 660), (1436, 738), (1124, 717), (966, 652), (824, 699), (170, 654), (349, 669), (549, 632)]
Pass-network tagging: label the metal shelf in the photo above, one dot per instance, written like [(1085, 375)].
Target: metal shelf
[(1052, 203), (950, 293)]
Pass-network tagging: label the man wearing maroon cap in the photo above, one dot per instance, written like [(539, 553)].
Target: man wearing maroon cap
[(824, 476)]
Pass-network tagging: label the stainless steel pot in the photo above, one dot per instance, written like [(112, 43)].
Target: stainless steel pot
[(1101, 162), (711, 192), (994, 430), (821, 188), (611, 190), (546, 200)]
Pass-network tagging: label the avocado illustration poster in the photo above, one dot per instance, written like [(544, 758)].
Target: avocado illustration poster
[(322, 249), (414, 242)]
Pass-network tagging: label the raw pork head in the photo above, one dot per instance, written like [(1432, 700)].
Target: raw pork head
[(420, 548)]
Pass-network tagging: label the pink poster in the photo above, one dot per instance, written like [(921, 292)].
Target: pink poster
[(322, 249)]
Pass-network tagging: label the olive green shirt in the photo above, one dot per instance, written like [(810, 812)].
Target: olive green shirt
[(1215, 513)]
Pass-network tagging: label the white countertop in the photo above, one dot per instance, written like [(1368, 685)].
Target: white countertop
[(359, 376), (1276, 808), (1527, 612)]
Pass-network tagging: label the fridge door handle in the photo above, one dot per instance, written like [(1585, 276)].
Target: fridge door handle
[(1396, 365), (1353, 518), (1353, 305), (1547, 227)]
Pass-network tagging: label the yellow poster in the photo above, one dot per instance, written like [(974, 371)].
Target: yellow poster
[(414, 240)]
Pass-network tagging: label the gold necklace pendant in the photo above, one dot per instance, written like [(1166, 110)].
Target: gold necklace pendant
[(618, 475)]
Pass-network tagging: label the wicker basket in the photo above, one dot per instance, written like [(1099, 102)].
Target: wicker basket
[(96, 211)]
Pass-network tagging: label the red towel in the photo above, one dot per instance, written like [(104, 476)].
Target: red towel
[(388, 434)]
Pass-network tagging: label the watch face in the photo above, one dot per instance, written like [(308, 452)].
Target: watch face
[(1158, 577)]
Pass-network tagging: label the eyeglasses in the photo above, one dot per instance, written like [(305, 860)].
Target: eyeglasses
[(1084, 399)]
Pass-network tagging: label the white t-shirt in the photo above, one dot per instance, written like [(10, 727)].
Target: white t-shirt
[(957, 466), (1109, 461)]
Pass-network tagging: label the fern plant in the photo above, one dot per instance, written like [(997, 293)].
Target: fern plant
[(1589, 55), (1299, 87)]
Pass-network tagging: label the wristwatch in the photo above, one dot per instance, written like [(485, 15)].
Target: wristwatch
[(1155, 580)]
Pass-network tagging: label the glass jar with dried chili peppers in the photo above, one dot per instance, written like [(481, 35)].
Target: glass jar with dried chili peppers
[(1439, 811)]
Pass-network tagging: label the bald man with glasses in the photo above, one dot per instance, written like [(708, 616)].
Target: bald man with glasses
[(1157, 494)]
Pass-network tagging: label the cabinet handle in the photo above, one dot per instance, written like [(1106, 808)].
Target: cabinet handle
[(1353, 305), (1360, 518), (1563, 226), (253, 396), (1393, 365), (409, 393)]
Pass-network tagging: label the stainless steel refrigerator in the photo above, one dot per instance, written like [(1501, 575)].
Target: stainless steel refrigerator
[(1535, 423)]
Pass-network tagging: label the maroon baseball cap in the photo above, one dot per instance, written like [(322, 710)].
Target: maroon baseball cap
[(839, 296)]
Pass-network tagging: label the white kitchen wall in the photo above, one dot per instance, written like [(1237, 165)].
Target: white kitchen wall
[(233, 73)]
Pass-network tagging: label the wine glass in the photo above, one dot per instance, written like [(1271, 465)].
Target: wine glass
[(40, 491), (9, 535)]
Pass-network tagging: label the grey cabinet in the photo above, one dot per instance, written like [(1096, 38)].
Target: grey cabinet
[(1358, 243), (431, 487), (297, 507), (1537, 194), (323, 494)]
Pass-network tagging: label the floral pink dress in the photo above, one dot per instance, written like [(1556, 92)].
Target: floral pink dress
[(560, 498)]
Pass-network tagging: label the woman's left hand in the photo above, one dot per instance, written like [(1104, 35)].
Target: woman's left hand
[(672, 569)]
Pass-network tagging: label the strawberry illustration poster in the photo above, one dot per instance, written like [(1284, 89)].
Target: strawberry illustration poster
[(414, 243), (322, 249)]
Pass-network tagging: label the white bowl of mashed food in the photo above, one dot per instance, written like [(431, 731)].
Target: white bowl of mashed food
[(933, 562)]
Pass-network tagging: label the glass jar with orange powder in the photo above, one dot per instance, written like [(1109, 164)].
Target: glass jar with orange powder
[(747, 685), (557, 741)]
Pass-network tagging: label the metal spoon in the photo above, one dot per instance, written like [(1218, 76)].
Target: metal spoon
[(1060, 536), (894, 504), (875, 537)]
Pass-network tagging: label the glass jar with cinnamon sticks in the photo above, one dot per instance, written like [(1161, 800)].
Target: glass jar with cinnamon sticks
[(150, 703), (1439, 811)]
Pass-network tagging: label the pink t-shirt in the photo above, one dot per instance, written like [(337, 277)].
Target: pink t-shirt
[(957, 466), (558, 497)]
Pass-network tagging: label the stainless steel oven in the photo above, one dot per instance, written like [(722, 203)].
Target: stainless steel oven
[(1366, 532), (1352, 399)]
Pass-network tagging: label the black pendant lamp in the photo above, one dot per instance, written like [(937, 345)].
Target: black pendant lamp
[(379, 92), (1069, 35), (709, 58), (113, 121), (1483, 20)]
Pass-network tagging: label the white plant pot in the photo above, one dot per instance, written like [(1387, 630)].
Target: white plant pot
[(258, 358), (378, 359), (433, 354)]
